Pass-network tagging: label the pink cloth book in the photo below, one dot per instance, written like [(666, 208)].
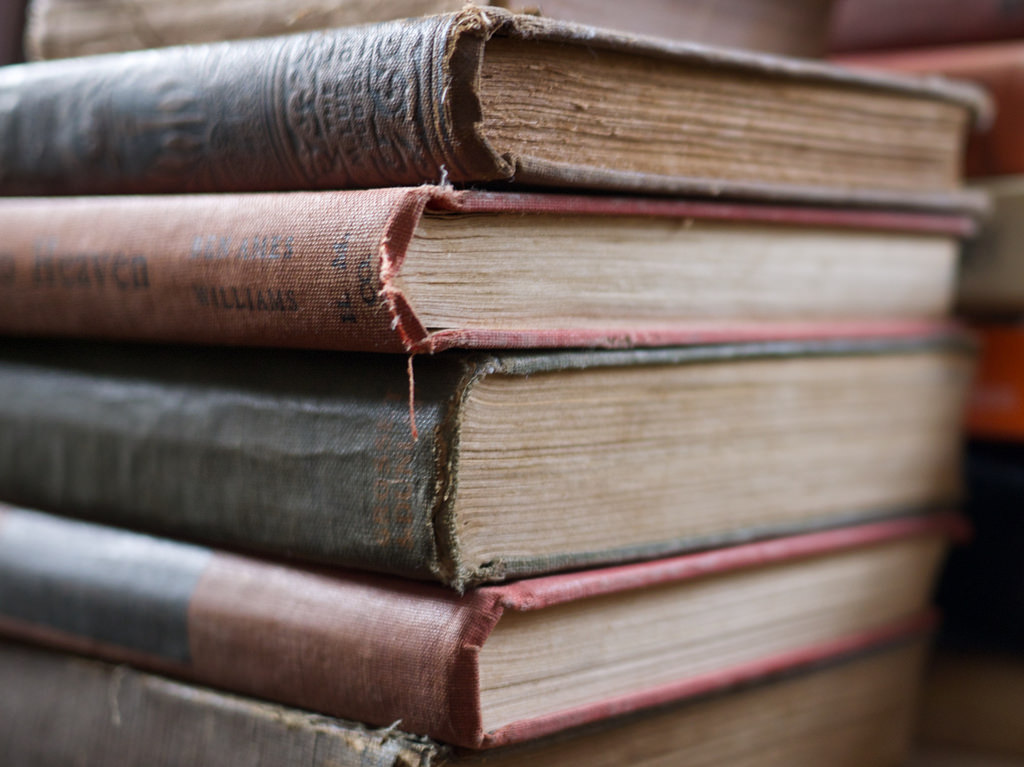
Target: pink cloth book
[(496, 665)]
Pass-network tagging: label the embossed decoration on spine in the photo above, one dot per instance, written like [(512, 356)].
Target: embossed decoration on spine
[(105, 127), (176, 128), (363, 110), (343, 108)]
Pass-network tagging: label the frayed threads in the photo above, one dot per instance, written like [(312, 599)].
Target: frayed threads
[(412, 400)]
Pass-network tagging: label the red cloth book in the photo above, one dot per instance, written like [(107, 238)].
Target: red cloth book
[(496, 665), (427, 268)]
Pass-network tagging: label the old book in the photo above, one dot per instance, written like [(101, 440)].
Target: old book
[(423, 269), (512, 464), (497, 665), (998, 67), (991, 281), (853, 711), (861, 25), (480, 96), (64, 28)]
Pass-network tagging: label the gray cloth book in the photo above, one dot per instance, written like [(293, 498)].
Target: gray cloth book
[(57, 710), (481, 96), (468, 468)]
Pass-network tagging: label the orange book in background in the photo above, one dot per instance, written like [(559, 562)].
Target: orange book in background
[(998, 67), (996, 406)]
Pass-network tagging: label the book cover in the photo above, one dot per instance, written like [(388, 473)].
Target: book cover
[(479, 97), (325, 457), (425, 269), (854, 710), (497, 665)]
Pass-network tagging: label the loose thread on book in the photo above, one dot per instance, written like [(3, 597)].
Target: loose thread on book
[(412, 399), (114, 694), (389, 731)]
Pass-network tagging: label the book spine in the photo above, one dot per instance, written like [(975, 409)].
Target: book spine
[(355, 646), (115, 715), (299, 454), (297, 270), (383, 105)]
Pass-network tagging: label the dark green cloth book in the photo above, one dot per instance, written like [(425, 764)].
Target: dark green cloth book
[(468, 467)]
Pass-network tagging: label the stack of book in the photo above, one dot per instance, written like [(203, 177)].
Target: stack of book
[(973, 698), (522, 468)]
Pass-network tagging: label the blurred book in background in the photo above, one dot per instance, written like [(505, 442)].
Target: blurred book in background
[(64, 28)]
